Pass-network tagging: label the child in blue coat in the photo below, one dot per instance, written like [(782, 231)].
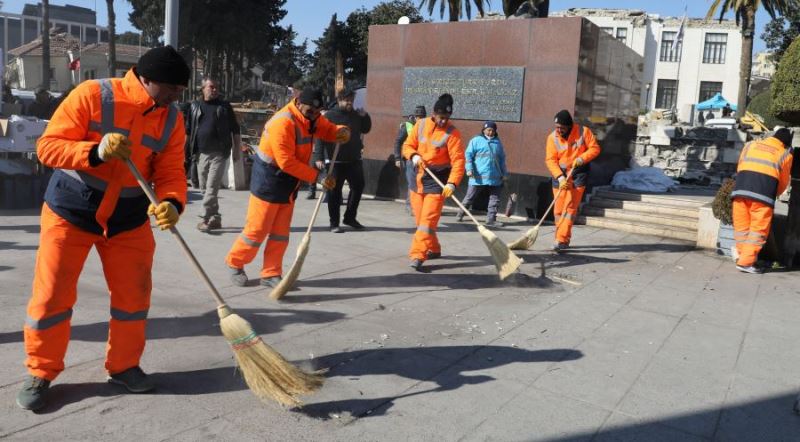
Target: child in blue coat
[(486, 169)]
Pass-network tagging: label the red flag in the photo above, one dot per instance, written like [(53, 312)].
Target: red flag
[(75, 64)]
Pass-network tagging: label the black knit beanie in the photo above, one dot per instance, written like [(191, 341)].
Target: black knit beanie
[(563, 117), (784, 135), (164, 65), (311, 96), (444, 105)]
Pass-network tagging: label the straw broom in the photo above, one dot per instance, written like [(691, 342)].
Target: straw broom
[(266, 372), (504, 259), (526, 241), (291, 276)]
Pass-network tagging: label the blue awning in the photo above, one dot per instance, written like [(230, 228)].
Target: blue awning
[(715, 102)]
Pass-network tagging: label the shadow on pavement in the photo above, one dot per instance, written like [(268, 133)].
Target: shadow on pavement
[(264, 321), (770, 419), (637, 248), (447, 369), (27, 229), (8, 246)]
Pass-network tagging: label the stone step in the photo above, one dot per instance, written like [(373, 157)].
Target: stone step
[(639, 206), (628, 215), (661, 199), (641, 228)]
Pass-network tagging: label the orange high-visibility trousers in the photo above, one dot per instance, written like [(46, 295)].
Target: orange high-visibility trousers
[(427, 209), (127, 262), (565, 212), (751, 221), (263, 219)]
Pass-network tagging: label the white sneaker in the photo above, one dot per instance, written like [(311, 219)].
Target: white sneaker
[(749, 269)]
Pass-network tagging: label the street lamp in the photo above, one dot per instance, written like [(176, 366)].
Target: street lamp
[(647, 96)]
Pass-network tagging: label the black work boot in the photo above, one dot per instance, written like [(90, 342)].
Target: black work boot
[(133, 379), (33, 395)]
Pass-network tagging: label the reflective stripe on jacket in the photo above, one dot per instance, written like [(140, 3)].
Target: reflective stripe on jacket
[(106, 199), (281, 160), (763, 172), (561, 153), (442, 151), (486, 159)]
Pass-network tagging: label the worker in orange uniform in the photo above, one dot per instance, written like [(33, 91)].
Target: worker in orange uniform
[(93, 200), (434, 143), (279, 167), (762, 174), (570, 147)]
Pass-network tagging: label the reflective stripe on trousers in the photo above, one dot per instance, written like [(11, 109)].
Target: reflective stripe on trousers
[(751, 223), (427, 211), (565, 212), (265, 221), (127, 260)]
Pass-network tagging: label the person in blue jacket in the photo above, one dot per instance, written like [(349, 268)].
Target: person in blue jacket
[(486, 169)]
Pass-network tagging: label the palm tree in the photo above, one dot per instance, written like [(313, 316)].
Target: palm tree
[(454, 7), (112, 36), (541, 6), (745, 12), (46, 44)]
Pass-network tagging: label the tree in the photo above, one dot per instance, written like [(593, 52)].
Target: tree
[(761, 106), (323, 71), (356, 32), (46, 44), (786, 86), (745, 12), (128, 38), (542, 7), (780, 32), (287, 63), (112, 37), (455, 8)]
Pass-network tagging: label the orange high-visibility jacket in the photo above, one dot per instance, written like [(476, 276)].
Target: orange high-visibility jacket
[(442, 150), (764, 171), (104, 198), (561, 153), (284, 150)]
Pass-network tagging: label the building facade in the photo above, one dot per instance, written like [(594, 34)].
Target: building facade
[(18, 29), (677, 74)]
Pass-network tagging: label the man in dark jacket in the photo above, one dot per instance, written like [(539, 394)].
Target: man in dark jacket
[(213, 130), (402, 134), (348, 165)]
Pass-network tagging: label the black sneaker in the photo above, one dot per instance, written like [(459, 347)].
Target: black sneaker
[(133, 379), (460, 216), (238, 277), (433, 255), (272, 281), (354, 224), (33, 395), (214, 223), (336, 229), (311, 196), (493, 224), (416, 264)]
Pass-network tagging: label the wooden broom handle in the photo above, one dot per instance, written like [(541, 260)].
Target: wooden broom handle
[(322, 194), (453, 196), (154, 200), (552, 204)]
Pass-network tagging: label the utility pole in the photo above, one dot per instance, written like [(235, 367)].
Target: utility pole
[(171, 24), (46, 44)]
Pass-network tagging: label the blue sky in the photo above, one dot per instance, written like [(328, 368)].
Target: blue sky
[(311, 25)]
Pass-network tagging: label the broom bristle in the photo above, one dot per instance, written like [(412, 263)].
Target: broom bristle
[(268, 374), (504, 259), (526, 241), (291, 276)]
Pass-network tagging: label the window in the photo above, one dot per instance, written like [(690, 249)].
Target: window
[(104, 36), (75, 31), (89, 74), (622, 34), (31, 30), (667, 41), (708, 89), (715, 48), (14, 33), (610, 31), (90, 35), (665, 94)]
